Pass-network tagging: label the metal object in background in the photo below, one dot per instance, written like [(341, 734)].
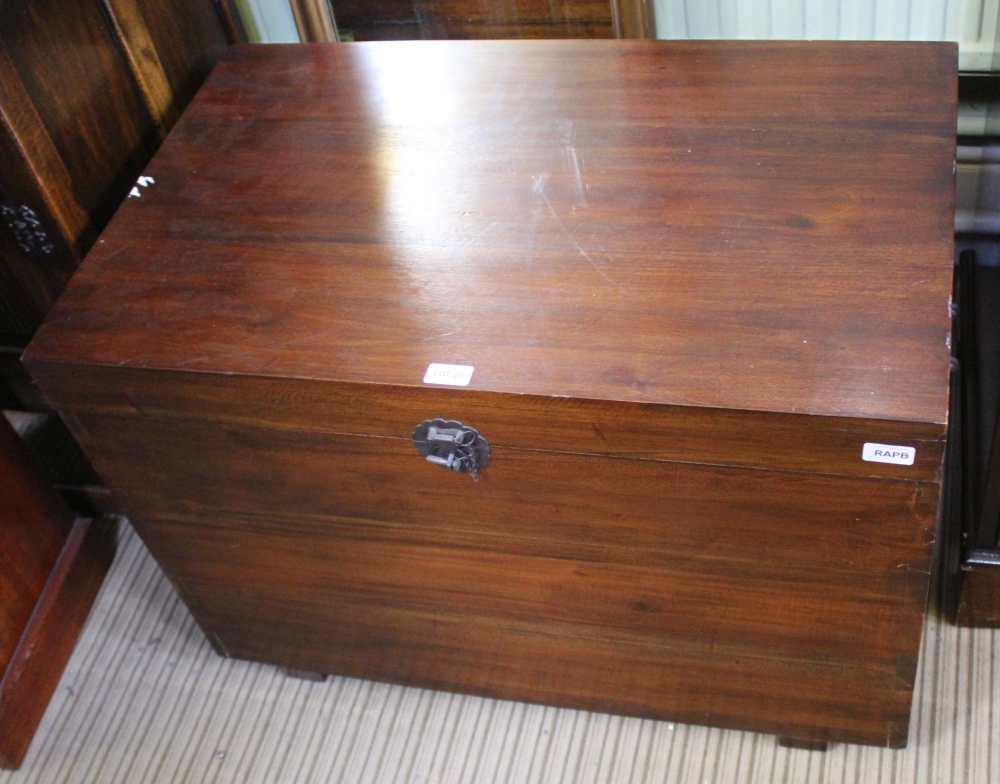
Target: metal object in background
[(29, 233)]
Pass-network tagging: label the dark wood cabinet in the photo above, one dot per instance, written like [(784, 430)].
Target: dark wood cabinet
[(87, 92), (51, 567), (360, 20), (693, 298), (971, 554)]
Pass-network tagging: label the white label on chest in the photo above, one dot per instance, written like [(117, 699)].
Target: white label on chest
[(886, 453), (448, 375)]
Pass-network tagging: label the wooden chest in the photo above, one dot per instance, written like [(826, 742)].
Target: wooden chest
[(693, 296)]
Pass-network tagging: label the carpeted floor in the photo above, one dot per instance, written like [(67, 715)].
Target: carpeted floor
[(145, 699)]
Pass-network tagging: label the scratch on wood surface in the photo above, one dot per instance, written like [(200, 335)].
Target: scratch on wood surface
[(574, 161), (538, 187)]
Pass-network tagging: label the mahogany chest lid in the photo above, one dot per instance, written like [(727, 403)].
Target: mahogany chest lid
[(735, 225)]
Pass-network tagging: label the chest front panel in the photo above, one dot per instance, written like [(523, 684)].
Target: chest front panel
[(682, 590)]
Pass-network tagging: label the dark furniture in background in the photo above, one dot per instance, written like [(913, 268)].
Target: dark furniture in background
[(661, 263), (87, 92), (972, 546), (52, 566), (971, 542), (363, 20), (408, 20)]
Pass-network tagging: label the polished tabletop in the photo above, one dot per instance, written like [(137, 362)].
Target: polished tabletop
[(740, 225)]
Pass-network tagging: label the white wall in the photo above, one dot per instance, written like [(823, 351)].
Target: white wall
[(272, 19), (974, 24)]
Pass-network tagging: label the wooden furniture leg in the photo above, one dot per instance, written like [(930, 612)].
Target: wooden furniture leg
[(803, 745), (305, 675)]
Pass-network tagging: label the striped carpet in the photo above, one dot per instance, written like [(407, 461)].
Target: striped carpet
[(145, 699)]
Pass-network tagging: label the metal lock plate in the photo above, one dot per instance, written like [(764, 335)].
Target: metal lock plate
[(452, 445)]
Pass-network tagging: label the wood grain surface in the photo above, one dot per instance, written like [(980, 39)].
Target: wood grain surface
[(33, 526), (455, 19), (102, 141), (314, 21), (693, 281), (690, 646), (632, 19), (646, 510), (776, 601), (51, 567), (48, 639), (788, 442), (86, 93), (748, 226), (171, 45), (978, 602), (32, 274)]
